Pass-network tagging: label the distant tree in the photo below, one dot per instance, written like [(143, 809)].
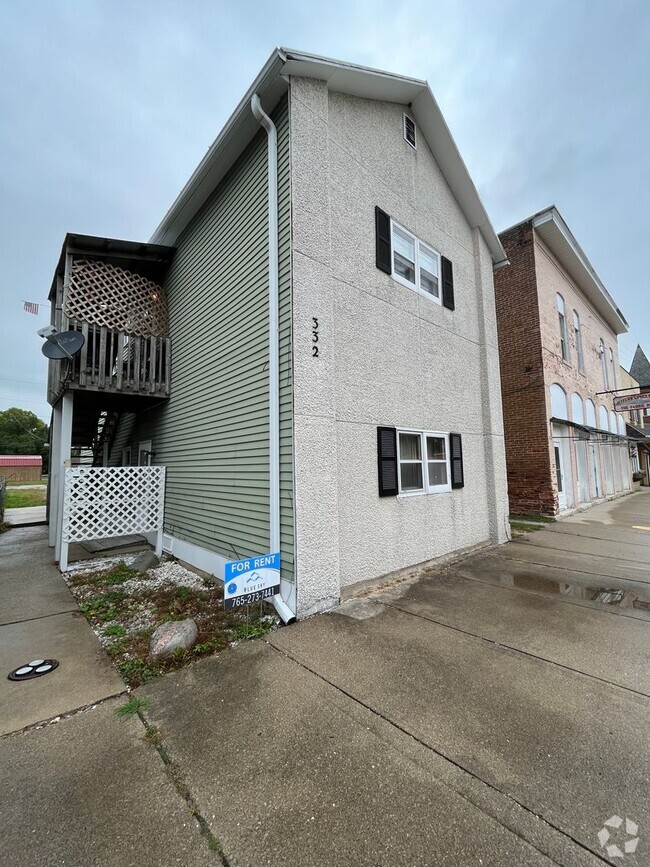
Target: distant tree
[(23, 433)]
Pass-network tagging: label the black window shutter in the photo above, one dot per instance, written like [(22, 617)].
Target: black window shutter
[(382, 241), (387, 461), (456, 454), (447, 283)]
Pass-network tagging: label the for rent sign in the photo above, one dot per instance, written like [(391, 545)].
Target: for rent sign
[(251, 580), (631, 402)]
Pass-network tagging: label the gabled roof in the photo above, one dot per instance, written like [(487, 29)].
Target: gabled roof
[(552, 229), (21, 460), (640, 369), (341, 77)]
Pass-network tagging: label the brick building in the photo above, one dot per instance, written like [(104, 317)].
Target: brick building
[(558, 328)]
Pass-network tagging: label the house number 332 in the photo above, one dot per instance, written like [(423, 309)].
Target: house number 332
[(314, 337)]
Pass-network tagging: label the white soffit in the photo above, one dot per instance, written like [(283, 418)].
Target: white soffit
[(557, 236), (341, 77)]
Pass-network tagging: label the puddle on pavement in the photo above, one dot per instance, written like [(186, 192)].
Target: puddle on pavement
[(607, 596)]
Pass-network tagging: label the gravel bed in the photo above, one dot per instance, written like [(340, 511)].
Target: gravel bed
[(99, 564), (168, 574)]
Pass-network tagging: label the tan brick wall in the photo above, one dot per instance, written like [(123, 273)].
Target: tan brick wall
[(530, 485), (551, 280)]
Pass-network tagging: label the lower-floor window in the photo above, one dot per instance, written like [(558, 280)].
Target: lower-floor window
[(423, 462)]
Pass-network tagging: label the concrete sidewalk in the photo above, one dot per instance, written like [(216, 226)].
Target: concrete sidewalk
[(25, 516), (39, 618), (493, 712)]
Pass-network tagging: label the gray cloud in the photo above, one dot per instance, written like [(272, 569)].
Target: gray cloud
[(108, 105)]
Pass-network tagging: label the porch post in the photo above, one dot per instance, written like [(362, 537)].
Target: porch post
[(55, 473), (67, 405)]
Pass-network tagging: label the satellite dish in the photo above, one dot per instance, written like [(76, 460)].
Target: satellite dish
[(64, 344)]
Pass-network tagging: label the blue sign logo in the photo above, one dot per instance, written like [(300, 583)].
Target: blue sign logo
[(232, 588)]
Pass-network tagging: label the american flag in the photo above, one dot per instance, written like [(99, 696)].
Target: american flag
[(30, 307)]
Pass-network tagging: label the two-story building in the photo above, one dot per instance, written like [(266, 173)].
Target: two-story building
[(558, 329), (308, 345)]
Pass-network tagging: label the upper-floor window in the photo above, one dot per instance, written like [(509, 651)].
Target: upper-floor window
[(603, 363), (613, 366), (414, 263), (577, 329), (564, 332)]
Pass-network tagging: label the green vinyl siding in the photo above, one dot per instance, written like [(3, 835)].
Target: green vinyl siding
[(122, 439), (213, 433)]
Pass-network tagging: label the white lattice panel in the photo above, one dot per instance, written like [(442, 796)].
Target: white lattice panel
[(104, 294), (102, 502)]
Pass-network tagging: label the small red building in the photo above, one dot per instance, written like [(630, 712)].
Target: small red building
[(21, 468)]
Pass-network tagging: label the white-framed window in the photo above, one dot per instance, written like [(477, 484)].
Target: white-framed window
[(423, 462), (415, 264), (409, 131), (603, 363), (577, 331), (126, 456), (564, 332)]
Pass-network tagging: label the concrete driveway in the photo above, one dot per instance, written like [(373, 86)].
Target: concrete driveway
[(493, 712)]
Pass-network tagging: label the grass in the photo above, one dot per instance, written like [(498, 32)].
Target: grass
[(532, 519), (30, 497), (115, 575), (133, 706), (15, 484), (520, 525)]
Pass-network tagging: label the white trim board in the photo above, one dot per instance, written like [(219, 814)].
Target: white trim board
[(212, 563)]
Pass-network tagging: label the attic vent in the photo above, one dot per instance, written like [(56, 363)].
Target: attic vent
[(409, 131)]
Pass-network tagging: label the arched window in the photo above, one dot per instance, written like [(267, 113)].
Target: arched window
[(591, 413), (558, 402), (612, 421), (621, 424), (577, 333), (577, 411), (564, 331), (603, 418), (603, 363)]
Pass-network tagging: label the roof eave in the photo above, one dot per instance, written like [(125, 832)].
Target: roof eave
[(271, 83), (557, 236)]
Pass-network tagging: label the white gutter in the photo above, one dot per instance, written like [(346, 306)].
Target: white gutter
[(262, 118)]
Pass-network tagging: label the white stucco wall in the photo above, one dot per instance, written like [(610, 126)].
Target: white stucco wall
[(387, 356)]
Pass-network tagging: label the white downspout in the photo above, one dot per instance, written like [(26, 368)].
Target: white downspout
[(262, 118)]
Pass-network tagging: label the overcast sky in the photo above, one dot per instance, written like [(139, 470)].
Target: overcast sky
[(106, 107)]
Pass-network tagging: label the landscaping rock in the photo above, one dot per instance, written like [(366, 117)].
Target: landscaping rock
[(144, 561), (172, 636)]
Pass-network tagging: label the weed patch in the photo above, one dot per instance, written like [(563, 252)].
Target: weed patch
[(124, 608), (132, 706)]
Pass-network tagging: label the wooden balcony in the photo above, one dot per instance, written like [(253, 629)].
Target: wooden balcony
[(113, 362), (110, 291)]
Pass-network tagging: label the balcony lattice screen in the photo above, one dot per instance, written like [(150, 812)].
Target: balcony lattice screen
[(103, 294)]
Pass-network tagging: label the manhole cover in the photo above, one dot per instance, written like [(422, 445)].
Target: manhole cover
[(35, 668)]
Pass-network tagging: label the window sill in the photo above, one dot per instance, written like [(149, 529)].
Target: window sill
[(416, 289), (408, 494)]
